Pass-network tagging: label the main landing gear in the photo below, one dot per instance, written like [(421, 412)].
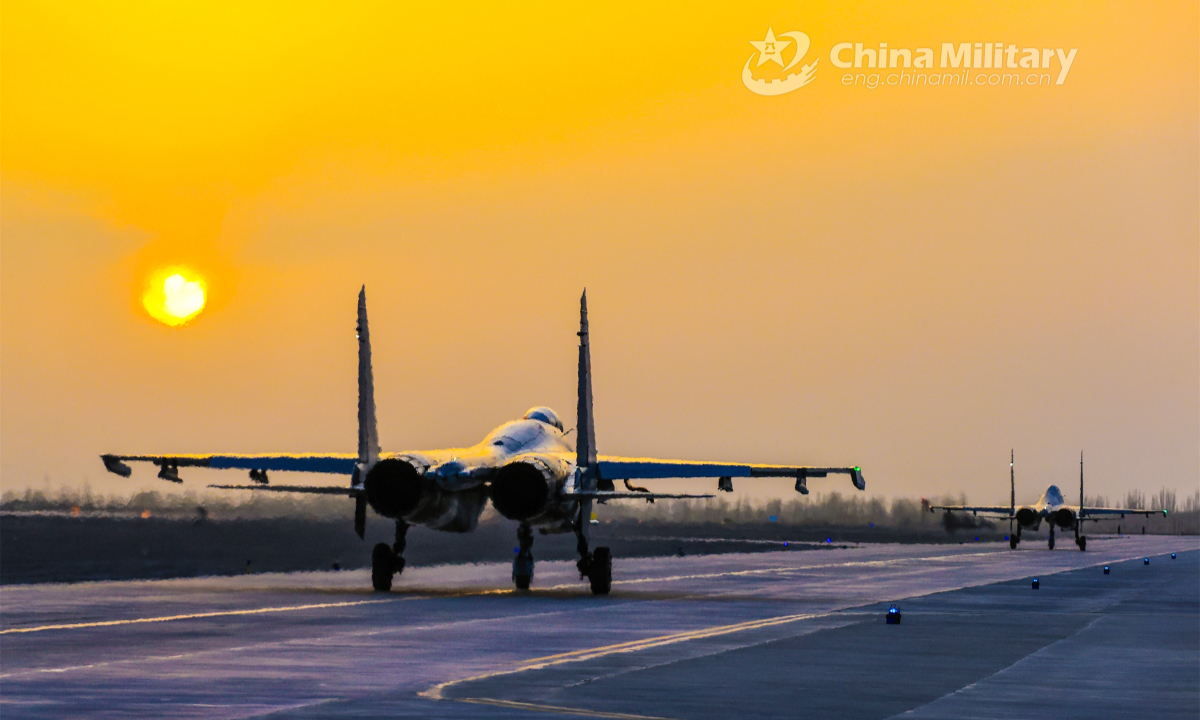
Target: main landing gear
[(1080, 540), (1051, 537), (523, 563), (387, 562), (1014, 539), (595, 566)]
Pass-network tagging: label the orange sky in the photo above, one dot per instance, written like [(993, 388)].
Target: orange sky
[(909, 279)]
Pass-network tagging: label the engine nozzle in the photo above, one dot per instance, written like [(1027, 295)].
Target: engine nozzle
[(393, 487), (521, 490)]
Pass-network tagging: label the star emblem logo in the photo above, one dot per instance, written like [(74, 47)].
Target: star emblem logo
[(770, 48)]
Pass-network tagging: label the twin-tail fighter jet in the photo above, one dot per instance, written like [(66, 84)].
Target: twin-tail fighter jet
[(1050, 507), (527, 468)]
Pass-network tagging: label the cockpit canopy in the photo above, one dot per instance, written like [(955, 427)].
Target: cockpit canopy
[(546, 415)]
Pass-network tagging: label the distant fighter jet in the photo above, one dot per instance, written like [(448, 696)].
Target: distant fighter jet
[(527, 468), (1051, 507)]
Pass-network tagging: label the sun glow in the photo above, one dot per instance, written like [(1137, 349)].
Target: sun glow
[(174, 295)]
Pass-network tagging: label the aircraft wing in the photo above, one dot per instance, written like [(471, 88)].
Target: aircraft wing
[(1005, 512), (336, 464), (635, 495), (622, 468), (1120, 511)]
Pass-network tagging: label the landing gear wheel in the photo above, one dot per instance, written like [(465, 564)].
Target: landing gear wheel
[(600, 573), (1082, 543), (522, 573), (383, 567), (1051, 543), (523, 570), (1012, 542)]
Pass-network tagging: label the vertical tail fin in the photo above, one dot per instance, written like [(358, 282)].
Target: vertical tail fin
[(1080, 483), (1012, 490), (1012, 484), (585, 448), (585, 429), (368, 436)]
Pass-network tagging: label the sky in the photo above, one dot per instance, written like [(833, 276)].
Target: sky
[(913, 279)]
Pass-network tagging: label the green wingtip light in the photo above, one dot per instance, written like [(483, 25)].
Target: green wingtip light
[(857, 469)]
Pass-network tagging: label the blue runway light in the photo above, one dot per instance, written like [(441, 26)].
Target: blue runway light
[(1105, 569), (1145, 561), (976, 538), (893, 615), (872, 524), (1006, 537), (1172, 556), (1036, 584), (785, 544), (828, 540)]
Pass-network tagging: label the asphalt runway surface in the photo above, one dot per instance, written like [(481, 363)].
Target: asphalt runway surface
[(775, 634)]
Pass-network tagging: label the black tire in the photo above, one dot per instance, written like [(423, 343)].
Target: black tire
[(1082, 543), (1012, 542), (1051, 542), (600, 577), (522, 581), (383, 565)]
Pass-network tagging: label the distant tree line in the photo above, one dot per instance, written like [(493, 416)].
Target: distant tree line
[(831, 508)]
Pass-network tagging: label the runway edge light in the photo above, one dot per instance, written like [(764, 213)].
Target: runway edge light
[(893, 615), (1105, 569), (1172, 556), (1145, 561), (1036, 584)]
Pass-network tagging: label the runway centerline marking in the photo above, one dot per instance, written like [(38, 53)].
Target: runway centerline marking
[(559, 709), (436, 692), (196, 616)]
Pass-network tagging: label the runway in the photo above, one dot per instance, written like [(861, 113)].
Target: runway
[(793, 634)]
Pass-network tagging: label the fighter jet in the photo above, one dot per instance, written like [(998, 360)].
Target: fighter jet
[(528, 468), (1051, 507)]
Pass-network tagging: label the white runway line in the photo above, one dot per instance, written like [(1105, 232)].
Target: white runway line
[(559, 710), (195, 616), (435, 692)]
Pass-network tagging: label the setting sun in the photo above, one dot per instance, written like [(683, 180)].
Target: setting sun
[(174, 295)]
